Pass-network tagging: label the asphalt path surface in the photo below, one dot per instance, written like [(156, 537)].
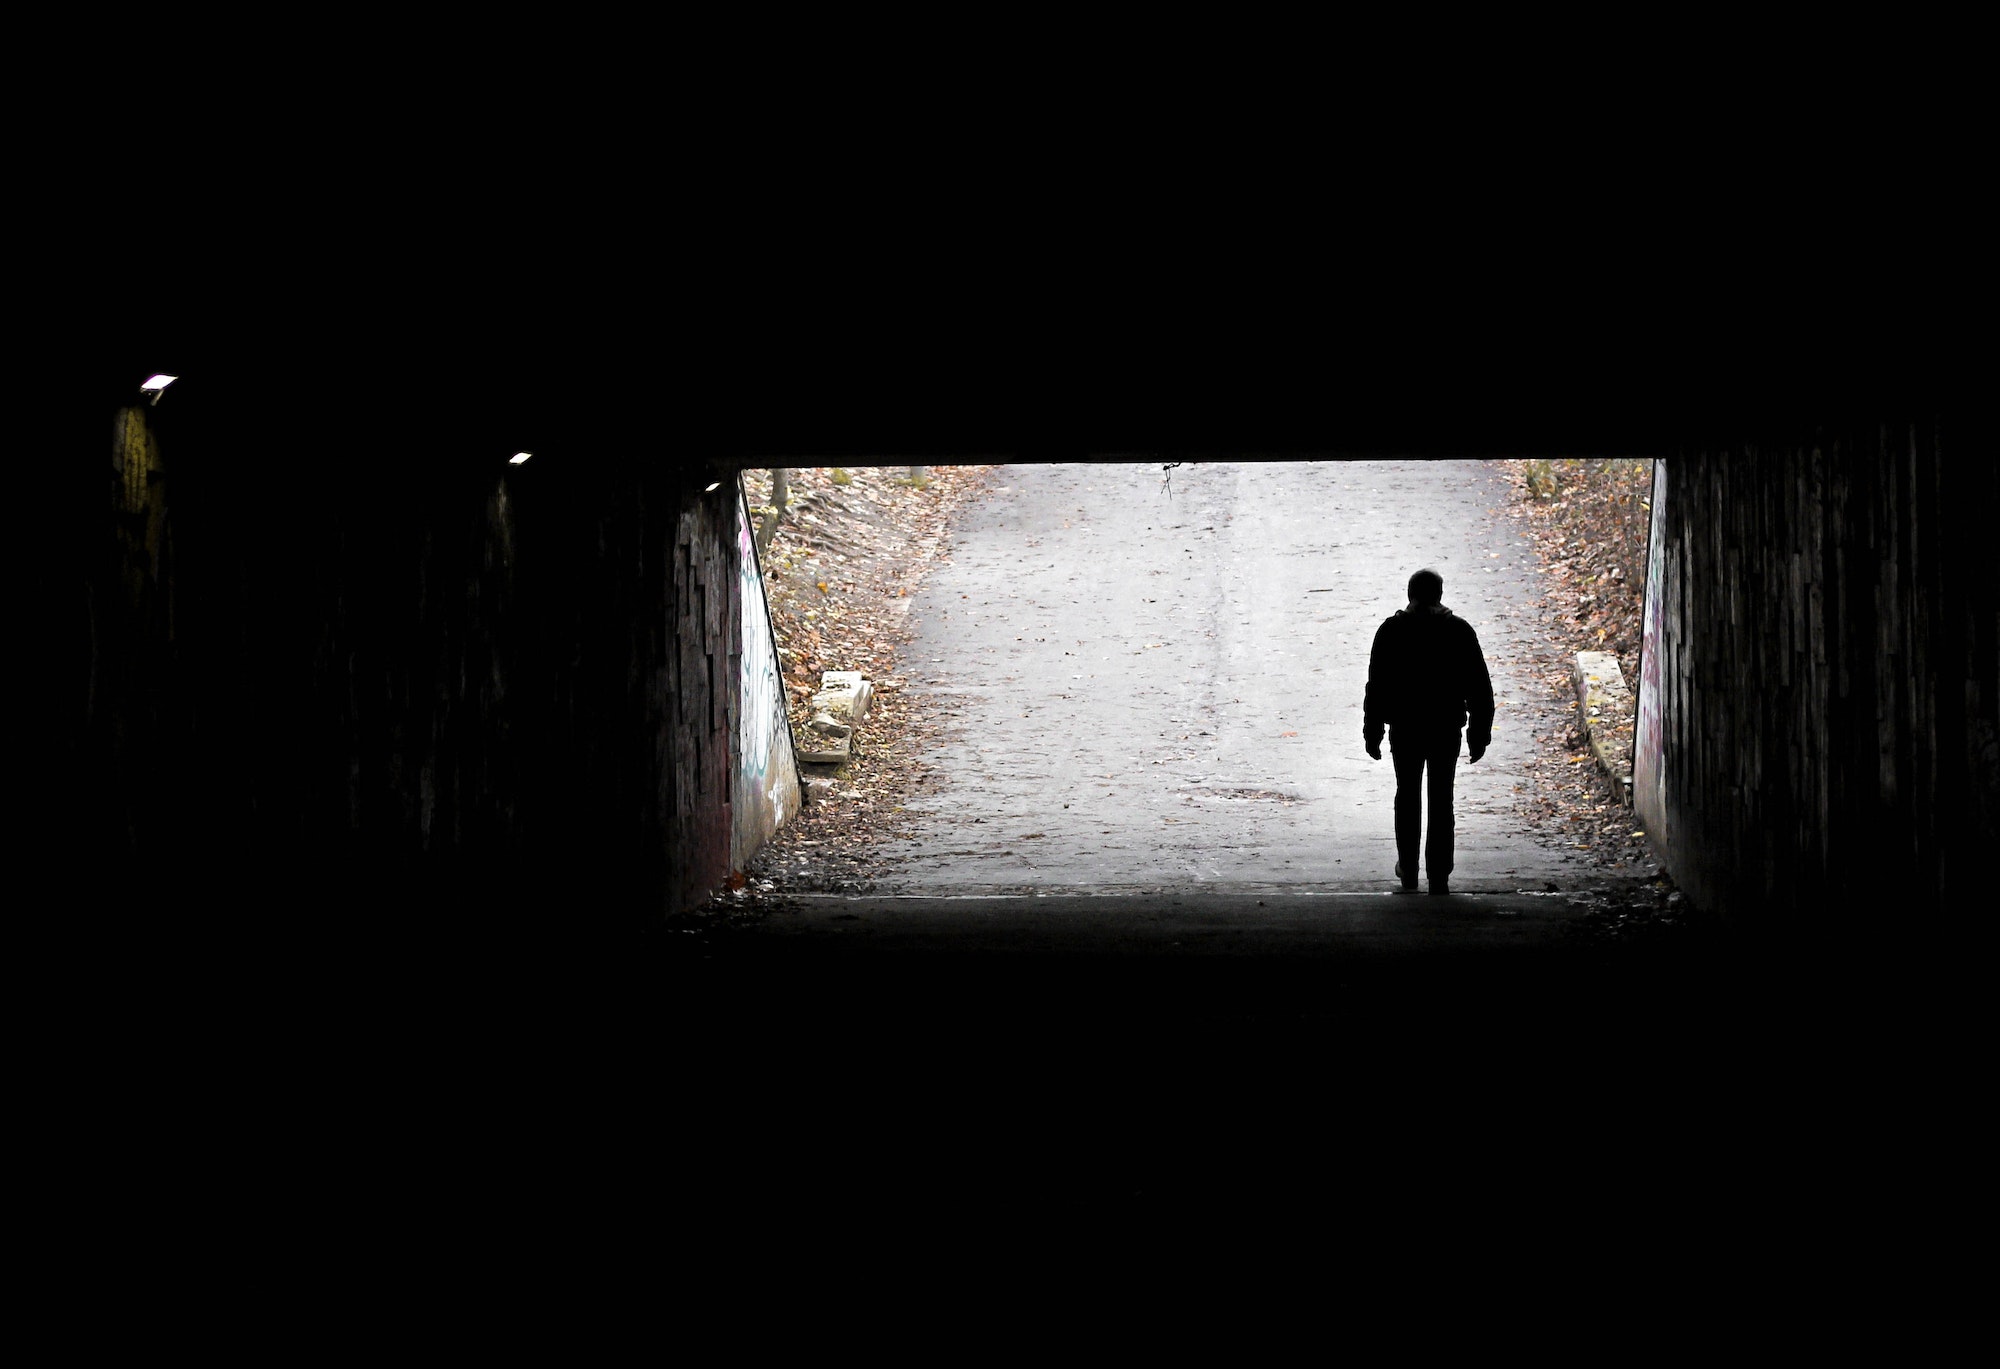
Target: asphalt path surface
[(1159, 685)]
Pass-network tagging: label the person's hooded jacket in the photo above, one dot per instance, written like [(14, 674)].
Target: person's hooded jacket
[(1426, 672)]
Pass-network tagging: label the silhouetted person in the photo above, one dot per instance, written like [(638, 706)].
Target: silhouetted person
[(1426, 677)]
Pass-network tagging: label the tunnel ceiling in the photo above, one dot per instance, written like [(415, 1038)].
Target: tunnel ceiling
[(808, 333), (866, 396)]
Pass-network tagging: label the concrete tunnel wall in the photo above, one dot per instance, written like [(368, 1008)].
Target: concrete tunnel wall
[(1819, 732), (765, 772), (427, 690)]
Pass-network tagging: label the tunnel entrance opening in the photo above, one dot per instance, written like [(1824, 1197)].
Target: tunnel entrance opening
[(1143, 679)]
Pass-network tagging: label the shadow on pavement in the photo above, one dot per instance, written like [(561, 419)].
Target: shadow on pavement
[(917, 1057)]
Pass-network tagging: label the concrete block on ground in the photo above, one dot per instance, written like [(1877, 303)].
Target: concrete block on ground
[(1600, 684), (825, 750), (1604, 706), (844, 694)]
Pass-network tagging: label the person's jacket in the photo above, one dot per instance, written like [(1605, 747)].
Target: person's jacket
[(1426, 671)]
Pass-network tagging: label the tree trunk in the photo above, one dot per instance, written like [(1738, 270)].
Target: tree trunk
[(780, 497)]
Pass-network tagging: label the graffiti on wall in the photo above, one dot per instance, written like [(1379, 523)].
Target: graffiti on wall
[(767, 781), (1649, 745)]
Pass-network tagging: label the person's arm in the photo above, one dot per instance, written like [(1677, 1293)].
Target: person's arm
[(1375, 699), (1478, 698)]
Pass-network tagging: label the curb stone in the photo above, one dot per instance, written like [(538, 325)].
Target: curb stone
[(1603, 700)]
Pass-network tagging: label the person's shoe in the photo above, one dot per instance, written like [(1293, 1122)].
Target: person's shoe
[(1440, 886), (1409, 882)]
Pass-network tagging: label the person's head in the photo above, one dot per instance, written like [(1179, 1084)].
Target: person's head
[(1426, 587)]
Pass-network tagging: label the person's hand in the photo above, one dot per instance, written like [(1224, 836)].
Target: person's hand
[(1373, 748), (1476, 752)]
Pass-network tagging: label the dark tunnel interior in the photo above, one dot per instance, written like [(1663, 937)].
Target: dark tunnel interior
[(229, 900), (367, 772), (311, 479)]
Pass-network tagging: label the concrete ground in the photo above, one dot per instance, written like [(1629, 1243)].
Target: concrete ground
[(1161, 689), (968, 967), (1155, 822), (1335, 926), (1156, 693), (1420, 1069)]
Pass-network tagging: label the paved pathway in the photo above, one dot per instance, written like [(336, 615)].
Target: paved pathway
[(1163, 689)]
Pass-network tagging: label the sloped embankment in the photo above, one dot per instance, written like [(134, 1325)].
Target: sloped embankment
[(1587, 522), (840, 567)]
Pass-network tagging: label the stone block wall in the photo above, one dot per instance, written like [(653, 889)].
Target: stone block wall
[(707, 622), (401, 689), (1823, 644)]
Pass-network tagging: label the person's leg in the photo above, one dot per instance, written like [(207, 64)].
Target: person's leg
[(1408, 758), (1442, 756)]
